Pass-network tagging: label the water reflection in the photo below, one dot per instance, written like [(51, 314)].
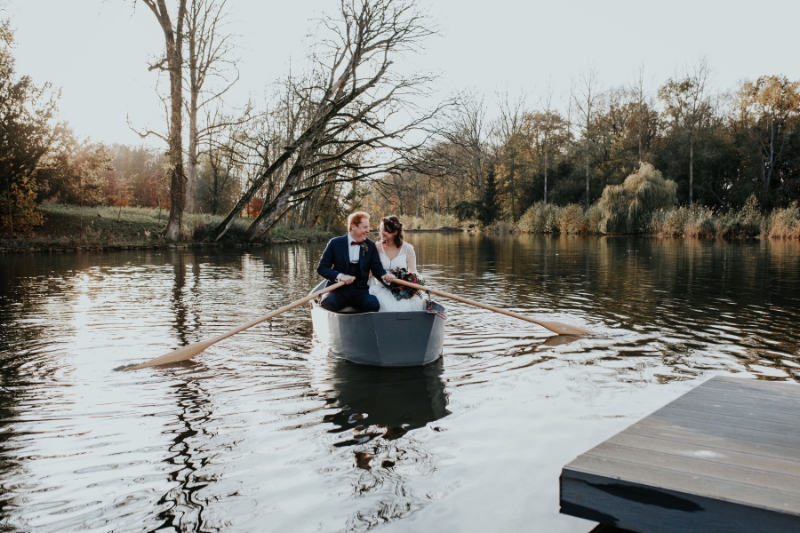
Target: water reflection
[(263, 432), (384, 403), (183, 509)]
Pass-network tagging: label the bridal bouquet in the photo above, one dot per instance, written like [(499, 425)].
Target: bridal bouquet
[(402, 292)]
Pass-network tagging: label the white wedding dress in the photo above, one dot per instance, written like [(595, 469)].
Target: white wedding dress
[(406, 258)]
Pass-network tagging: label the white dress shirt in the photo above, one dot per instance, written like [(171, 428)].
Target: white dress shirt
[(354, 254), (354, 250)]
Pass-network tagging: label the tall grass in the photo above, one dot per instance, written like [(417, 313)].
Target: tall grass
[(696, 221), (432, 221), (785, 223), (703, 223)]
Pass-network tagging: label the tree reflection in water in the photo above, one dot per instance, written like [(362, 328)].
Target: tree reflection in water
[(183, 510)]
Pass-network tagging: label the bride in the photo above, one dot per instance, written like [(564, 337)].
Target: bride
[(395, 253)]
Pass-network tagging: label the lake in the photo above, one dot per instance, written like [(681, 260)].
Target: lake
[(265, 432)]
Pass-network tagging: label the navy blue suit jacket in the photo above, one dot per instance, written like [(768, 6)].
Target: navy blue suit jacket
[(336, 260)]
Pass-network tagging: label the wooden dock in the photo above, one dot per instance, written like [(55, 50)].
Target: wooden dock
[(724, 457)]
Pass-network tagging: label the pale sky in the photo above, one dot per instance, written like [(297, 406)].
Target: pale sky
[(97, 51)]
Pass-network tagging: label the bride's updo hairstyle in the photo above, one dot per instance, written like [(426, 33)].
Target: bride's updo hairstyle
[(392, 224)]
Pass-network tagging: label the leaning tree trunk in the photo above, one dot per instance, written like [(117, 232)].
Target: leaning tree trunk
[(273, 211), (244, 200)]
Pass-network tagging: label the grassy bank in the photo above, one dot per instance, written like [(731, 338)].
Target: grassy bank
[(70, 227)]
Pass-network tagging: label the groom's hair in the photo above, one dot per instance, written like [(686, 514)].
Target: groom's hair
[(356, 218)]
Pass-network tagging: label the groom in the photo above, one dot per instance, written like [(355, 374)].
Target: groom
[(350, 258)]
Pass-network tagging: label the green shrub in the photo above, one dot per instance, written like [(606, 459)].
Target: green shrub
[(751, 219), (541, 217), (594, 218), (573, 220), (627, 208)]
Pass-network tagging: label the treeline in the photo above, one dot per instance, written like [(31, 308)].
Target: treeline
[(298, 157), (347, 134), (719, 149)]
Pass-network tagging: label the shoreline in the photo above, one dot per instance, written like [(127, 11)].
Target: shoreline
[(32, 246), (28, 248)]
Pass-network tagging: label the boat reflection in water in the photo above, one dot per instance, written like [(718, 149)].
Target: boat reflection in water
[(383, 403)]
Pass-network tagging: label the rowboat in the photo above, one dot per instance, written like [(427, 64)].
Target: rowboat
[(412, 338)]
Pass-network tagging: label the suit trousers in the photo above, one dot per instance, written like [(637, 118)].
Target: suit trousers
[(356, 295)]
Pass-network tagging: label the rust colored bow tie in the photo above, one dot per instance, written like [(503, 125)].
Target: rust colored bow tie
[(354, 243)]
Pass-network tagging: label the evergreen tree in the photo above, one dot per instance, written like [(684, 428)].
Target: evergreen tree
[(489, 207)]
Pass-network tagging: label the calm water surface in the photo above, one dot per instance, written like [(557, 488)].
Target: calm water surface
[(264, 432)]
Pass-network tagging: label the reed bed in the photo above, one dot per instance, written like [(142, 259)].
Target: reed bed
[(696, 222)]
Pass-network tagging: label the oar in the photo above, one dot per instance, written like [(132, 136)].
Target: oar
[(187, 352), (555, 327)]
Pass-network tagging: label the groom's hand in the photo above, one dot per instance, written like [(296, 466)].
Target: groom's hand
[(347, 279), (388, 278)]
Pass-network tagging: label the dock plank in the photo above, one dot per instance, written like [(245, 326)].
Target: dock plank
[(718, 398), (761, 461), (730, 420), (725, 431), (723, 457), (723, 467), (734, 441)]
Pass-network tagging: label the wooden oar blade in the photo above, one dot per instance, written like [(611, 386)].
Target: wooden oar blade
[(181, 354), (564, 329), (555, 327)]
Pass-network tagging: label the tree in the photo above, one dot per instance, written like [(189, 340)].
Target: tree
[(509, 131), (461, 154), (688, 109), (75, 172), (771, 109), (208, 51), (174, 32), (220, 171), (548, 133), (26, 136), (585, 96), (640, 97), (627, 207), (489, 208), (348, 106)]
